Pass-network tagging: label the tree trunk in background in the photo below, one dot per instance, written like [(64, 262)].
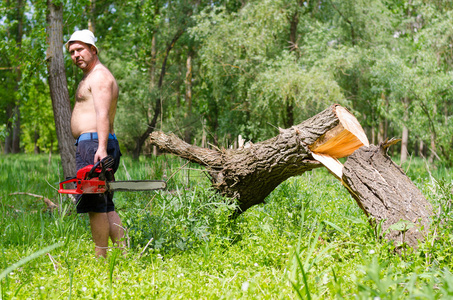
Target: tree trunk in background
[(35, 141), (373, 135), (433, 136), (152, 71), (15, 141), (59, 86), (381, 132), (433, 149), (91, 18), (188, 81), (288, 119), (16, 130), (405, 134), (9, 130), (404, 143), (421, 149)]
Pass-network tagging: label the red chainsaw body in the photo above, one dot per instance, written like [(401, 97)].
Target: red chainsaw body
[(83, 185)]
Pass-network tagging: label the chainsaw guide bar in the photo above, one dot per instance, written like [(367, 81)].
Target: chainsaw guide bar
[(137, 185)]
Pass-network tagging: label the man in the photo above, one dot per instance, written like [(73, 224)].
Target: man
[(92, 127)]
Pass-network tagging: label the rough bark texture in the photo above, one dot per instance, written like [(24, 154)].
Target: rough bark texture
[(251, 173), (387, 195), (16, 127), (59, 87)]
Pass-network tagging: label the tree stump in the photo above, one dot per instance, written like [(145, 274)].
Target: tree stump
[(249, 174), (386, 195)]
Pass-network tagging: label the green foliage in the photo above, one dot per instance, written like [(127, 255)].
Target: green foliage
[(256, 65), (285, 83)]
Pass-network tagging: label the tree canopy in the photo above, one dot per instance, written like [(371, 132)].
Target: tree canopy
[(218, 69)]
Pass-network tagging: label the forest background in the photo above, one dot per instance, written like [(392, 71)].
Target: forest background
[(210, 71)]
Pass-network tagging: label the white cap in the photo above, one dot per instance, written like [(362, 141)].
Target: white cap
[(85, 36)]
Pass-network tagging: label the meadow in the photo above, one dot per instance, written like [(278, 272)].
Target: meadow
[(309, 240)]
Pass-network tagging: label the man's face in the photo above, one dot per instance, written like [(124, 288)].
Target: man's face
[(82, 54)]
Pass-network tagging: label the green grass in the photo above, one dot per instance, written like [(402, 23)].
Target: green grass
[(310, 240)]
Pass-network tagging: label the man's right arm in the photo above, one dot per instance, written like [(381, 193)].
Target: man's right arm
[(102, 93)]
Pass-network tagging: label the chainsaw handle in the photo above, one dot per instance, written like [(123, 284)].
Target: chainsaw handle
[(100, 167), (62, 190), (92, 172)]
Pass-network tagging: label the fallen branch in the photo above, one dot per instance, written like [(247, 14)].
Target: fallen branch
[(50, 205)]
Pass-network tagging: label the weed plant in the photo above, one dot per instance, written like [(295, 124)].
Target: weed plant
[(309, 240)]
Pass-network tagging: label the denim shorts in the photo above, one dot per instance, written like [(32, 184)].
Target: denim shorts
[(85, 152)]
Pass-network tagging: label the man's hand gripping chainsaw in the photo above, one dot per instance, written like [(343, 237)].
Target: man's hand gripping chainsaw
[(98, 179)]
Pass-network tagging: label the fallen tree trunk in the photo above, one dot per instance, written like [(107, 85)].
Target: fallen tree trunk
[(251, 173)]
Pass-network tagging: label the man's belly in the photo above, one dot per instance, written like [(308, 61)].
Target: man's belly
[(82, 122)]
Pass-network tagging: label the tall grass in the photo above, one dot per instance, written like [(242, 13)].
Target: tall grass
[(309, 240)]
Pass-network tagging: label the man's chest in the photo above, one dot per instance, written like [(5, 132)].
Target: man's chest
[(83, 92)]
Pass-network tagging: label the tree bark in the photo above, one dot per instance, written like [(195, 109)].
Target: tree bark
[(404, 143), (16, 130), (386, 195), (59, 87), (405, 134), (188, 96), (35, 142), (19, 34)]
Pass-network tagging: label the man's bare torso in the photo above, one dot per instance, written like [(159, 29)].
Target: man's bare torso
[(84, 114)]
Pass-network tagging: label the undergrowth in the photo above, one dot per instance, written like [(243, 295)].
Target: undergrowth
[(309, 240)]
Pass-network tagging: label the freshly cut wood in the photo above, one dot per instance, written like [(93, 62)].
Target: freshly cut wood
[(338, 142), (343, 139), (251, 173), (385, 194)]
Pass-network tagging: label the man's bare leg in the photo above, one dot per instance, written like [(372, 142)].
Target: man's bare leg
[(116, 229), (99, 223)]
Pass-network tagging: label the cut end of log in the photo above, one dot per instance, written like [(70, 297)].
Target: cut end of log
[(342, 140)]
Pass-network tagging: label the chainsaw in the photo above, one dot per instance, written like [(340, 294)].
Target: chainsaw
[(98, 179)]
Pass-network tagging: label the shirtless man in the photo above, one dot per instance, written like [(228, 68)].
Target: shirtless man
[(92, 126)]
